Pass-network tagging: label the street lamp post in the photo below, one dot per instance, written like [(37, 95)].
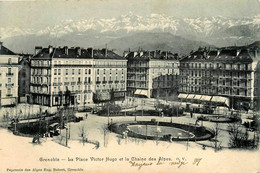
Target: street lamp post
[(108, 116), (142, 107)]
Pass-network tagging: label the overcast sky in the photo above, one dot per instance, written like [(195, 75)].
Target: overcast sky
[(39, 14)]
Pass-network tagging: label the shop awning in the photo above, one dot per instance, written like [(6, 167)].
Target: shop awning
[(220, 99), (197, 97), (182, 96), (141, 92), (190, 96), (205, 98)]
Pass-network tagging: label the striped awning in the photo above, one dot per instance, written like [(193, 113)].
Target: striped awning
[(190, 96), (182, 96), (205, 98), (197, 97), (141, 92), (220, 99)]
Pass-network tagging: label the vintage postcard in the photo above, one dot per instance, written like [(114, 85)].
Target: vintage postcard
[(129, 86)]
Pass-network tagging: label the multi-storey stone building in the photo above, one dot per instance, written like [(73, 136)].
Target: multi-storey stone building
[(110, 73), (9, 68), (228, 72), (152, 73), (82, 72)]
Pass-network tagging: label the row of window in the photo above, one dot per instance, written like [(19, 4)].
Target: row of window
[(72, 79), (71, 72), (217, 65), (73, 62), (110, 63), (224, 91), (40, 63), (87, 71), (99, 71), (217, 82), (40, 71), (217, 74)]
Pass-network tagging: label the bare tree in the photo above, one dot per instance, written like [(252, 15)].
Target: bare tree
[(239, 137), (216, 142), (104, 130), (83, 133)]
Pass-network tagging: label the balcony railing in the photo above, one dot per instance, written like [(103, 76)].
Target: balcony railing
[(79, 83), (66, 83), (9, 95), (73, 83), (9, 85), (87, 83), (9, 74), (87, 91), (98, 82)]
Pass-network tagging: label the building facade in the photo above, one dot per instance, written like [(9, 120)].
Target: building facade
[(55, 72), (24, 78), (110, 72), (152, 73), (228, 72), (9, 68)]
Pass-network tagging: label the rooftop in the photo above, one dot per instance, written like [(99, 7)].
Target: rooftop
[(148, 55), (5, 51), (77, 52), (230, 54)]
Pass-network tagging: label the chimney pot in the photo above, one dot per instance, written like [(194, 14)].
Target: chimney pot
[(78, 49), (66, 50), (90, 50), (50, 49)]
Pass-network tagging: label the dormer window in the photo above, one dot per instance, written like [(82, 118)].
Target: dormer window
[(9, 61)]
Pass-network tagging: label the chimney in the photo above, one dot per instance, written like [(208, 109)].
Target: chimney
[(125, 53), (1, 44), (141, 53), (255, 53), (135, 53), (218, 52), (37, 49), (105, 52), (50, 49), (166, 55), (66, 50), (90, 50), (238, 51), (78, 49), (154, 54)]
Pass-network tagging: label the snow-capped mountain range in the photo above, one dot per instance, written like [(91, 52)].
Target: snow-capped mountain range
[(219, 31), (205, 26)]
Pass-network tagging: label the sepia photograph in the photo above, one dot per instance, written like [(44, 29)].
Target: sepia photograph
[(129, 86)]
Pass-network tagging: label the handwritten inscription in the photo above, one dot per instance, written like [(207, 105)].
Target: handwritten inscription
[(140, 165), (178, 162)]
